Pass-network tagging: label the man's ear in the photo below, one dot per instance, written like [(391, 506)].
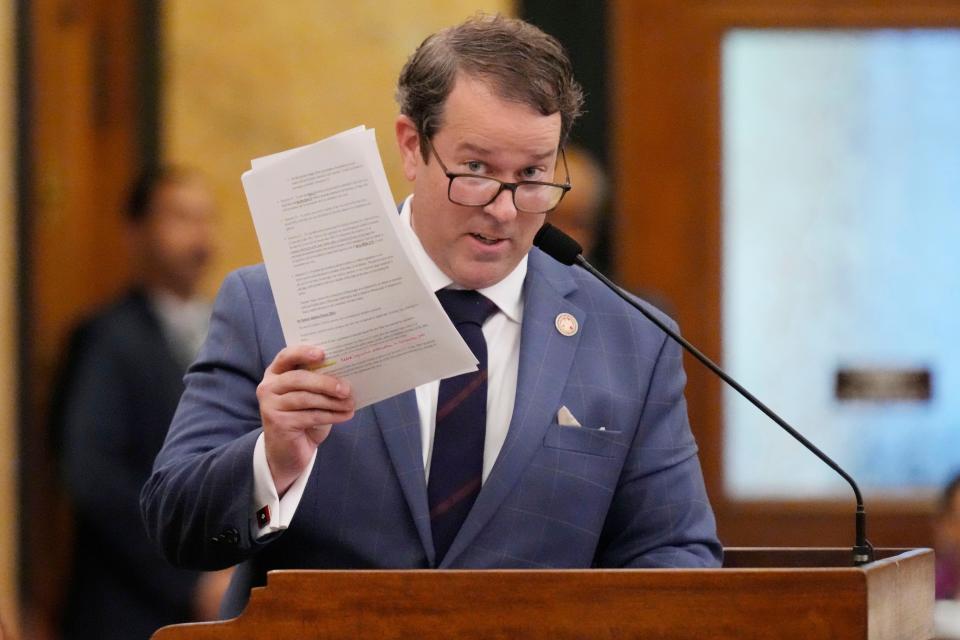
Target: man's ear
[(408, 139)]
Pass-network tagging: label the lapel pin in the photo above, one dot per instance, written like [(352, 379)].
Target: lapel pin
[(566, 324)]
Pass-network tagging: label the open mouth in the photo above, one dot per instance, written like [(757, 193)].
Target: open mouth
[(485, 239)]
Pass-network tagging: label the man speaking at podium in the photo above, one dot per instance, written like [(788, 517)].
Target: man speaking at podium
[(569, 447)]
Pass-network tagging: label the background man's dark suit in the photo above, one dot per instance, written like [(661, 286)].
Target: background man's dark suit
[(122, 390)]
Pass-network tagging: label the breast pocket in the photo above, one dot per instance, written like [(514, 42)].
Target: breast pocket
[(595, 442)]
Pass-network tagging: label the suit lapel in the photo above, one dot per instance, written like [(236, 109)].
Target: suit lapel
[(155, 339), (399, 421), (546, 357)]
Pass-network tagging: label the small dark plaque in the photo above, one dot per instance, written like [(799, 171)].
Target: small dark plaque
[(884, 384)]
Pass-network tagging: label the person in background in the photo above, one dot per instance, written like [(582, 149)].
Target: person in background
[(122, 380), (580, 213), (947, 541)]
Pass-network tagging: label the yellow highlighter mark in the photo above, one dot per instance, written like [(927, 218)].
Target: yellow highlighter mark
[(323, 365)]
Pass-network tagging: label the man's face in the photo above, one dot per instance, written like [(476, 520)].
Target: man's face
[(176, 236), (484, 135)]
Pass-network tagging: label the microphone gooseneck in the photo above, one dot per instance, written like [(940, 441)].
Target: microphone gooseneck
[(561, 247)]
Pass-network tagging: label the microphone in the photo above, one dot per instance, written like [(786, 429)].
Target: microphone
[(564, 249)]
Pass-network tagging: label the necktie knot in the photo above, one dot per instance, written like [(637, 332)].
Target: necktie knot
[(466, 306)]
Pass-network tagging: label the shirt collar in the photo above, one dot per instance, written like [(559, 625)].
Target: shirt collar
[(178, 310), (506, 294)]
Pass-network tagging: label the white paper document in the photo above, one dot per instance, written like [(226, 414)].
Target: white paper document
[(341, 274)]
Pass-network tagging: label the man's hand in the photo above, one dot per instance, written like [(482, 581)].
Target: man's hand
[(298, 407)]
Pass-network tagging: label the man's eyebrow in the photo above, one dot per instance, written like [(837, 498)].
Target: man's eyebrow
[(473, 148), (483, 151), (545, 154)]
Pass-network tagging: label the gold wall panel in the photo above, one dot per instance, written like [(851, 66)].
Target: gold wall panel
[(245, 78)]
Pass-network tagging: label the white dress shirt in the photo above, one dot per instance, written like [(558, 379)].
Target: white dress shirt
[(502, 334), (184, 323)]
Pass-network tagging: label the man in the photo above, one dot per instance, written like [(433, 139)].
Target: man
[(268, 463), (117, 397)]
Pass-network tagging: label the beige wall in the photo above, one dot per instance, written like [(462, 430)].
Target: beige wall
[(245, 78), (8, 338)]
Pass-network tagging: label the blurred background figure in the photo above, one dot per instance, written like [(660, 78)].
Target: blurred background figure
[(946, 613), (584, 215), (581, 211), (120, 385), (947, 540)]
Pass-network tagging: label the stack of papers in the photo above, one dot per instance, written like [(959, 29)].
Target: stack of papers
[(339, 265)]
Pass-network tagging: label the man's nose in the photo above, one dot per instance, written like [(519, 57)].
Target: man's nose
[(502, 207)]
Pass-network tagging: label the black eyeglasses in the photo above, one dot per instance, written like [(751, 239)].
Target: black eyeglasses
[(529, 196)]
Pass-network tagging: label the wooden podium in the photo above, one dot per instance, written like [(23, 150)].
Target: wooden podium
[(759, 593)]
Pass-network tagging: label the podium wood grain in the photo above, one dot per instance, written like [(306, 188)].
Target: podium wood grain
[(760, 593)]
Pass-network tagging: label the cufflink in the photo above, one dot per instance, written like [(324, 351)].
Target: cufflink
[(263, 516)]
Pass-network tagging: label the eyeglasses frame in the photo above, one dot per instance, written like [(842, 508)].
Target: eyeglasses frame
[(509, 186)]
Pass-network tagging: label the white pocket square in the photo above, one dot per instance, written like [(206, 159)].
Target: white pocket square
[(566, 419)]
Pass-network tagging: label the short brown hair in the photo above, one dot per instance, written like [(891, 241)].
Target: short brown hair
[(149, 181), (522, 64)]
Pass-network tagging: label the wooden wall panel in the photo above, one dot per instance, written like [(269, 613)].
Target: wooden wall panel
[(82, 151), (667, 191), (9, 572)]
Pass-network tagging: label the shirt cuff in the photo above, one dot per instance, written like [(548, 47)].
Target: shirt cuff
[(272, 513)]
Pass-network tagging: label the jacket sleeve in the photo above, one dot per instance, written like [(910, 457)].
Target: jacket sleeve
[(196, 504), (660, 516)]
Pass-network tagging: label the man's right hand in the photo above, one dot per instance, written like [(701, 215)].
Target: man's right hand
[(298, 408)]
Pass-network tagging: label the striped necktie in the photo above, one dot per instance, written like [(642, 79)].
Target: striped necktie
[(456, 466)]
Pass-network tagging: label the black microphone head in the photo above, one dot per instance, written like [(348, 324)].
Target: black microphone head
[(557, 244)]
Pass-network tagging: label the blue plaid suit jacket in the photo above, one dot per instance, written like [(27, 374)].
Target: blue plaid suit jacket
[(628, 495)]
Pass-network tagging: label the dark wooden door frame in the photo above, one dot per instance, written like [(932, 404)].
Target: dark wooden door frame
[(666, 158), (88, 118)]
